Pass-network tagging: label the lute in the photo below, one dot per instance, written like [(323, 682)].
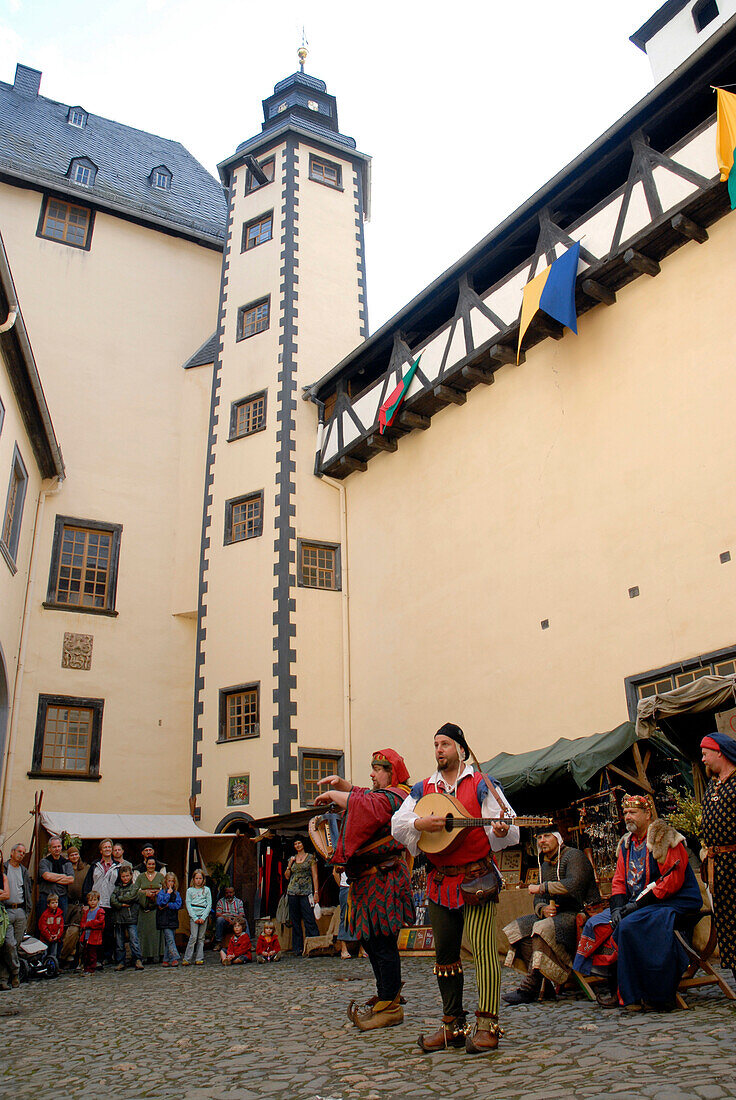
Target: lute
[(457, 821)]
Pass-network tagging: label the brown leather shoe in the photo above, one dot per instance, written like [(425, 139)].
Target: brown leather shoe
[(451, 1033), (485, 1037)]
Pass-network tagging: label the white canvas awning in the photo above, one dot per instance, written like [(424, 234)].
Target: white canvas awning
[(706, 694)]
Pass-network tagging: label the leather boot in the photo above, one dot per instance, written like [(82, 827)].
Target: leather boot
[(527, 992), (451, 1033), (486, 1035), (381, 1014)]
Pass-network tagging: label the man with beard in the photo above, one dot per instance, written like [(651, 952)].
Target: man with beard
[(719, 836), (379, 900), (634, 941), (544, 941), (449, 912)]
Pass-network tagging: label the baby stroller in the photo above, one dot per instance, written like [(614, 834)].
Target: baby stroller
[(34, 961)]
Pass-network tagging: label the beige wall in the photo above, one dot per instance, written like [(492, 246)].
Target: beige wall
[(604, 462), (111, 329), (240, 578)]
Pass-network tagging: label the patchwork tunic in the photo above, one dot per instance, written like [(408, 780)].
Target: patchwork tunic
[(571, 885), (719, 828)]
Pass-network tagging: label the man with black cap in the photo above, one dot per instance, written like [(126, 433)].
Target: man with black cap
[(147, 853), (544, 941), (380, 901), (719, 836), (450, 910)]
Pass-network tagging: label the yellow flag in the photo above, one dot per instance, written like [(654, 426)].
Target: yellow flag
[(530, 302), (725, 131)]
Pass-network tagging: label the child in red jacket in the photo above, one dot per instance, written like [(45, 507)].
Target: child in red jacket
[(268, 948), (90, 931), (239, 950), (51, 925)]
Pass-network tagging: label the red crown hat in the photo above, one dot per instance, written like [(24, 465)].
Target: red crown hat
[(638, 802), (390, 758)]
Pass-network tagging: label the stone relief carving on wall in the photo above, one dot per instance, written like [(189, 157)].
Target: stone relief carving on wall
[(76, 651)]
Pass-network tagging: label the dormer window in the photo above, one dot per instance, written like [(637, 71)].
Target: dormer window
[(82, 171), (161, 178), (77, 117), (704, 12)]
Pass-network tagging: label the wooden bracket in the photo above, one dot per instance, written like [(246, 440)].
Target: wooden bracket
[(450, 396), (689, 229), (473, 374), (350, 464), (641, 263), (502, 353), (380, 442), (410, 420), (598, 292)]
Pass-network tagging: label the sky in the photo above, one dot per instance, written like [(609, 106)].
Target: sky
[(466, 108)]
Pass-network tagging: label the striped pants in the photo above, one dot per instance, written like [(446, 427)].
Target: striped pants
[(479, 921)]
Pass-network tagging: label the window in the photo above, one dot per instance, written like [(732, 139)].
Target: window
[(10, 534), (83, 175), (65, 222), (161, 178), (244, 518), (643, 686), (239, 712), (248, 416), (67, 742), (324, 171), (268, 167), (319, 565), (253, 319), (704, 12), (77, 117), (257, 232), (82, 171), (2, 416), (84, 566), (316, 764)]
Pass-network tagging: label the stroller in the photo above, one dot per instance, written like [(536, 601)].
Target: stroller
[(35, 963)]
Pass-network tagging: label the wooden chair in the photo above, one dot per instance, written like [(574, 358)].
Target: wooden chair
[(685, 927)]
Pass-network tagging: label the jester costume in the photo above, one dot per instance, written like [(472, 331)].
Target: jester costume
[(719, 838), (642, 946), (380, 901)]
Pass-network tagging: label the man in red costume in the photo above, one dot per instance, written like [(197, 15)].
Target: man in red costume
[(449, 913), (380, 900)]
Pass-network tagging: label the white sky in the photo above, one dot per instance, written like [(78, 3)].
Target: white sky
[(466, 108)]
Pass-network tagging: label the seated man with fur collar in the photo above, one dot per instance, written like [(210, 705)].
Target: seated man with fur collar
[(635, 941)]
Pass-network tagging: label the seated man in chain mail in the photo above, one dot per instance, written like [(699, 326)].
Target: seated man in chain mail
[(544, 942)]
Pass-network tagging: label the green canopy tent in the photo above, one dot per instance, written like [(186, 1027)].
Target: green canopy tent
[(561, 772)]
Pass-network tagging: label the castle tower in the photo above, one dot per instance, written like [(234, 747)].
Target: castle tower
[(269, 682)]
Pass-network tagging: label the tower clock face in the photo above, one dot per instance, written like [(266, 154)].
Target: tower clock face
[(282, 107), (312, 105)]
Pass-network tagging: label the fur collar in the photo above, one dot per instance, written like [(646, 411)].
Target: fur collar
[(661, 836)]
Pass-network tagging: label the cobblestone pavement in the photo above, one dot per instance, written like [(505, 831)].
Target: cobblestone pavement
[(280, 1032)]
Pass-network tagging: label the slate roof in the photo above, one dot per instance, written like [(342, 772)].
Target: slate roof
[(37, 144), (204, 355)]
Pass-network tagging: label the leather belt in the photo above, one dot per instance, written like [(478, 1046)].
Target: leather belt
[(710, 853), (469, 870), (14, 905), (374, 868), (720, 849)]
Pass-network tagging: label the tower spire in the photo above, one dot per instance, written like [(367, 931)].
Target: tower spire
[(303, 51)]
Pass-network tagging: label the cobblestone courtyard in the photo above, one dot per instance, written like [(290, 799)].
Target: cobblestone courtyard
[(211, 1033)]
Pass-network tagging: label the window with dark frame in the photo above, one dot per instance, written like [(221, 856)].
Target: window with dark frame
[(239, 712), (268, 167), (313, 767), (2, 415), (13, 515), (248, 416), (68, 734), (319, 565), (253, 319), (244, 518), (325, 171), (84, 565), (704, 12), (65, 222), (257, 231), (658, 681), (77, 117)]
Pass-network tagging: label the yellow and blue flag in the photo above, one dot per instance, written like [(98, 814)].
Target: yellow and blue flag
[(552, 291), (726, 140)]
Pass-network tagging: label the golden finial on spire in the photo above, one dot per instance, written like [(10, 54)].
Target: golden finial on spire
[(303, 51)]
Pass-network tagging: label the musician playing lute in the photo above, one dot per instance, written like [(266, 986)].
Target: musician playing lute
[(451, 910)]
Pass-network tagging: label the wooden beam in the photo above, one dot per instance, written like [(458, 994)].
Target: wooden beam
[(689, 229), (350, 464), (449, 395), (549, 327), (641, 263), (639, 763), (502, 353), (410, 420), (380, 442), (473, 374), (631, 778), (598, 292)]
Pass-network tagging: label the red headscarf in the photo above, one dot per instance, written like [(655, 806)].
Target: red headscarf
[(399, 772)]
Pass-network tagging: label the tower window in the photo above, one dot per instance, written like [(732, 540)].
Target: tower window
[(318, 565), (253, 318), (243, 518), (258, 231), (239, 712), (65, 222), (324, 171), (248, 416), (267, 167), (704, 12)]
